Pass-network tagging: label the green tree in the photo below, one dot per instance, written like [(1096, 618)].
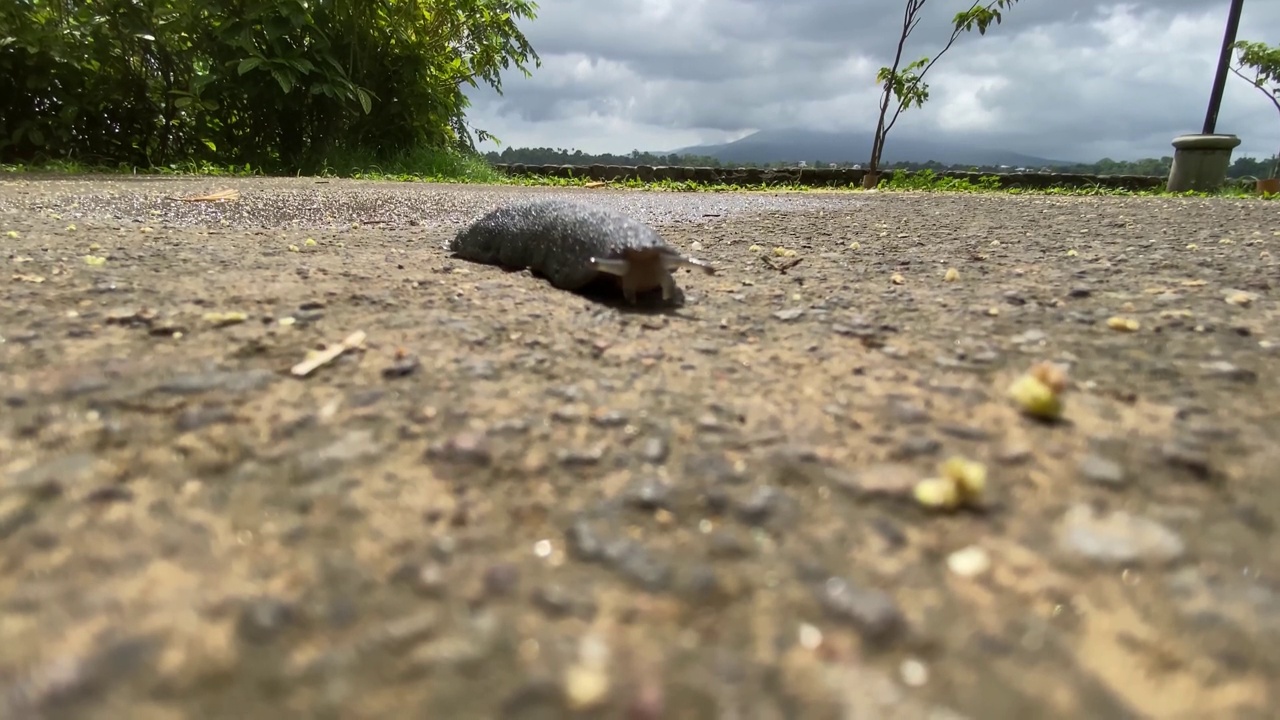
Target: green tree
[(1263, 63), (904, 86), (278, 84)]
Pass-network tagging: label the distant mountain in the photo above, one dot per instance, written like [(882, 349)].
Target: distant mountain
[(771, 146)]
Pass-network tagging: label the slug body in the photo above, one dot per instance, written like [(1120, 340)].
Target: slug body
[(572, 244)]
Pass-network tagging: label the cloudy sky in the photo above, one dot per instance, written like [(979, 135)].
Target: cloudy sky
[(1064, 79)]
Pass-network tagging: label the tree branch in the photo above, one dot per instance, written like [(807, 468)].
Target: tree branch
[(1273, 98)]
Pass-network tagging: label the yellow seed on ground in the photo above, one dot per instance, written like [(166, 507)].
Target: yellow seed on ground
[(937, 493), (225, 318), (1122, 324), (970, 477), (952, 275), (1035, 398)]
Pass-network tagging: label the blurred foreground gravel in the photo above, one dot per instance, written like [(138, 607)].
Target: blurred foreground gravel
[(509, 501)]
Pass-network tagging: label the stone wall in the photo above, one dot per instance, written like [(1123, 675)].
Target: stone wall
[(816, 177)]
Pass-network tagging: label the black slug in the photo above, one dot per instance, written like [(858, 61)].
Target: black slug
[(572, 244)]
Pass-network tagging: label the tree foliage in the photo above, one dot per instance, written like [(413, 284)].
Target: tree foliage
[(270, 83), (904, 86), (1259, 65)]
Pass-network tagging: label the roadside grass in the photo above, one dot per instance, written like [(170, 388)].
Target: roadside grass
[(428, 165)]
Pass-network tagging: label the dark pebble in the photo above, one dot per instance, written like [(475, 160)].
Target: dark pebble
[(1224, 370), (467, 448), (365, 398), (584, 542), (873, 612), (402, 367), (654, 450), (907, 413), (965, 432), (917, 446), (1187, 456), (648, 493), (634, 562), (566, 414), (501, 580), (716, 499), (729, 545), (556, 601), (609, 419), (762, 505), (713, 468), (580, 457), (892, 533), (263, 619), (109, 494), (194, 418), (480, 369)]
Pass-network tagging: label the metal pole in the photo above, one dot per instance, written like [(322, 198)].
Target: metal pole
[(1224, 64)]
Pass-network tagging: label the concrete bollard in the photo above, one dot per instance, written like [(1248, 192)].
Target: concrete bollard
[(1200, 162)]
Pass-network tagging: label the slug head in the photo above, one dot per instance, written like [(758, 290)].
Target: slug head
[(641, 270)]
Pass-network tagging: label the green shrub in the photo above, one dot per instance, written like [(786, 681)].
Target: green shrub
[(273, 84)]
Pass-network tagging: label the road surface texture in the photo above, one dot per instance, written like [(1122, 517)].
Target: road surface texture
[(510, 501)]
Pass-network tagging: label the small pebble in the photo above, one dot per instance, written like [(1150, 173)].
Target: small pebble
[(969, 562), (914, 673), (871, 611), (1117, 539), (1100, 470)]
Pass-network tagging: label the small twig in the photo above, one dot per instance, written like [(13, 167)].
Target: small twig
[(329, 354), (220, 196)]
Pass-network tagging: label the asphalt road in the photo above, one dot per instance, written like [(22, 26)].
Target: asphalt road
[(507, 500)]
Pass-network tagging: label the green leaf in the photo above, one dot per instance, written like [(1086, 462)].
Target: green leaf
[(248, 64), (211, 145), (366, 102), (283, 79)]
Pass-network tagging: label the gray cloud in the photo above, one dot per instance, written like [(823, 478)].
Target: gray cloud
[(1072, 80)]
